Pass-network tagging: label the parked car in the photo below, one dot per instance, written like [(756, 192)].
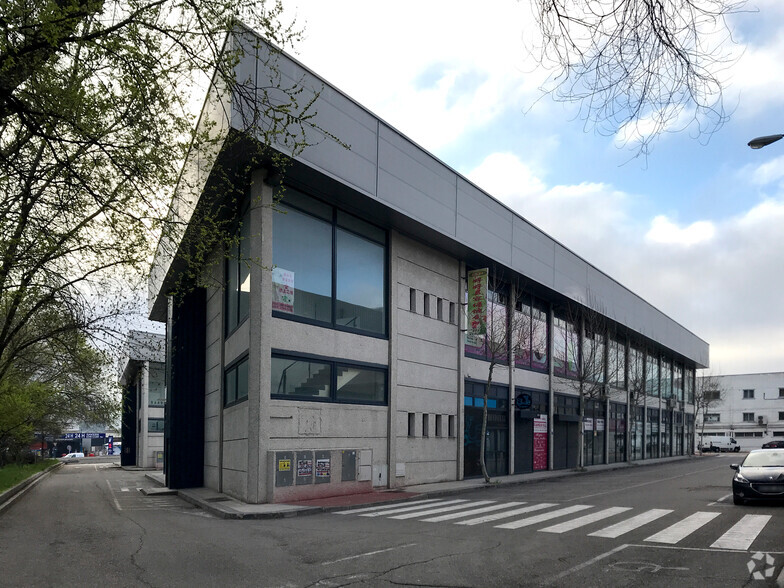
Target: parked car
[(777, 444), (759, 477)]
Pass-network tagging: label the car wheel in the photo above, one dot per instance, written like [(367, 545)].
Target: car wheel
[(737, 449), (737, 500)]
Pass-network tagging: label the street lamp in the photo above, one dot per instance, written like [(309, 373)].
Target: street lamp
[(761, 142)]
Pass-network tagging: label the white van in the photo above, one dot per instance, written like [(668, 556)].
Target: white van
[(720, 443), (71, 457)]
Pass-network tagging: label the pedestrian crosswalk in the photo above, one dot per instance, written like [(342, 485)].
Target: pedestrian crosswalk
[(517, 515)]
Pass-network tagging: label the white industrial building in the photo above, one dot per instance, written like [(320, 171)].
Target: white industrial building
[(750, 408)]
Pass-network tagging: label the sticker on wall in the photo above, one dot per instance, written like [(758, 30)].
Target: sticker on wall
[(282, 290), (284, 465), (323, 468), (304, 467)]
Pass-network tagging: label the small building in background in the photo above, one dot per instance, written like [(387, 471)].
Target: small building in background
[(142, 372), (749, 408)]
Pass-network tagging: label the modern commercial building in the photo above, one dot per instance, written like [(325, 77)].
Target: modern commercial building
[(331, 352), (144, 399), (748, 407)]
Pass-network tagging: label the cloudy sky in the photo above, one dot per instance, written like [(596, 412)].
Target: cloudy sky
[(697, 228)]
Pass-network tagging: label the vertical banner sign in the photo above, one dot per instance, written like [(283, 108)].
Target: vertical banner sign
[(477, 307), (282, 290), (540, 442)]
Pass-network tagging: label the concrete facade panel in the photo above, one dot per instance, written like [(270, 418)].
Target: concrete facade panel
[(235, 455), (422, 400), (418, 350), (421, 375)]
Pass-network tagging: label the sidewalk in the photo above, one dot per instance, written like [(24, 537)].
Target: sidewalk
[(226, 507)]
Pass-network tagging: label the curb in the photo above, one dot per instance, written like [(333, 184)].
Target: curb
[(9, 496)]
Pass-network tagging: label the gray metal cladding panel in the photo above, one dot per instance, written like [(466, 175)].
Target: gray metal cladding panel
[(284, 468), (483, 223), (395, 192), (336, 115), (349, 465), (532, 267), (534, 242)]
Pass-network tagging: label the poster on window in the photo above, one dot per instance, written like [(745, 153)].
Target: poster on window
[(540, 442), (476, 326), (282, 290)]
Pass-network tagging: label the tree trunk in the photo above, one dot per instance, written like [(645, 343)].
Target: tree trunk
[(482, 443), (581, 429)]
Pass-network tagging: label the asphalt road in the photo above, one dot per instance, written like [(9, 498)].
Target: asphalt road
[(664, 525)]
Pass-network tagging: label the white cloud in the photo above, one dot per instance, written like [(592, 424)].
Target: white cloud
[(769, 172), (666, 232), (720, 279)]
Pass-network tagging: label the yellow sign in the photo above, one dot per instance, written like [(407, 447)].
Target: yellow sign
[(284, 465)]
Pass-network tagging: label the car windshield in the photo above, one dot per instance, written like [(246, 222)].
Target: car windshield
[(764, 459)]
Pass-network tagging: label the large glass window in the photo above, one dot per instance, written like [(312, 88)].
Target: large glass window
[(593, 357), (565, 348), (689, 385), (308, 237), (235, 383), (238, 277), (495, 343), (651, 375), (298, 378), (529, 331), (665, 380), (677, 381), (616, 364), (157, 388), (155, 425)]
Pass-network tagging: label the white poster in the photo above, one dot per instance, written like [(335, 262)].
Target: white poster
[(282, 290)]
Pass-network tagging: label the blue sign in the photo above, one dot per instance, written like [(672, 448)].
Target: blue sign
[(523, 401), (84, 435)]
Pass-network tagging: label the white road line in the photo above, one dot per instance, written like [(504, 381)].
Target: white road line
[(561, 512), (383, 507), (583, 565), (619, 529), (743, 533), (720, 501), (114, 498), (124, 489), (476, 511), (409, 508), (441, 509), (507, 514), (369, 553), (585, 520), (674, 533)]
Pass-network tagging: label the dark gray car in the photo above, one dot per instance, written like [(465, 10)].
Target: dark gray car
[(759, 477)]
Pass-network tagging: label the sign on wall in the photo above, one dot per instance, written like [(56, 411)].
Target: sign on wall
[(540, 442), (282, 290), (477, 307)]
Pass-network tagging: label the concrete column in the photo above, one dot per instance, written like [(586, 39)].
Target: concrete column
[(462, 288), (261, 215), (392, 296)]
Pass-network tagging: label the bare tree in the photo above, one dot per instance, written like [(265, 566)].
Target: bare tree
[(584, 357), (507, 332), (707, 395), (636, 67)]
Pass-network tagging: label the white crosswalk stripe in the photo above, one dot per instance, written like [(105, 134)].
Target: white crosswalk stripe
[(384, 507), (409, 508), (441, 509), (742, 533), (506, 514), (527, 522), (631, 524), (469, 513), (585, 520), (682, 529), (739, 537)]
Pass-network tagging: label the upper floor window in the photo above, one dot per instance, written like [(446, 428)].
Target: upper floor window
[(155, 425), (238, 276), (566, 348), (329, 267), (529, 334), (235, 382), (304, 378), (616, 363), (494, 343), (709, 395), (665, 378), (651, 375), (712, 417), (157, 386), (748, 394), (781, 392), (748, 417)]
